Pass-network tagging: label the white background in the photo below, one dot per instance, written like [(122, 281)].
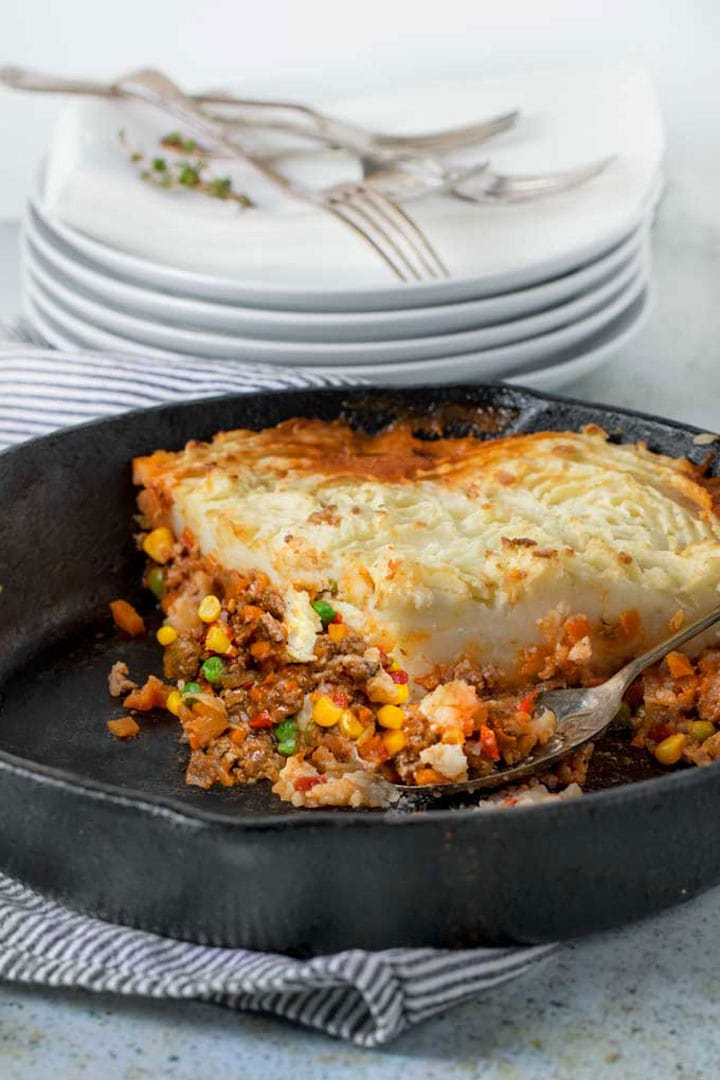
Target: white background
[(320, 46)]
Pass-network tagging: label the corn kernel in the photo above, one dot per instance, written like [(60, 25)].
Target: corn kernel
[(394, 741), (402, 693), (325, 712), (390, 716), (210, 608), (669, 751), (158, 544), (394, 665), (174, 701), (337, 631), (454, 735), (217, 641), (166, 635), (349, 725)]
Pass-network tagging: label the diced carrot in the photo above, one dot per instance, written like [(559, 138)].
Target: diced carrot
[(250, 613), (201, 730), (152, 695), (126, 618), (207, 720), (124, 728), (426, 775), (238, 736), (527, 704), (630, 623), (373, 749), (678, 665), (576, 628), (235, 584), (488, 743), (260, 650)]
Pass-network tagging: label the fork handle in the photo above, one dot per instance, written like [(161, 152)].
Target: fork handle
[(24, 79), (156, 89), (626, 675)]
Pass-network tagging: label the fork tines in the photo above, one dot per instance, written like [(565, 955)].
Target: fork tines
[(394, 235)]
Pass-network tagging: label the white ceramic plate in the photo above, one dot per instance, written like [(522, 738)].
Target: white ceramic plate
[(590, 354), (569, 316), (500, 362), (79, 271)]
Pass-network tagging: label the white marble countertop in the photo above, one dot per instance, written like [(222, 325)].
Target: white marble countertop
[(639, 1002)]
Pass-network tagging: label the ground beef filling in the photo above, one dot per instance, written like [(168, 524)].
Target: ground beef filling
[(319, 727), (344, 724)]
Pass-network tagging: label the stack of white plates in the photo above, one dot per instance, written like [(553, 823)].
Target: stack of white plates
[(541, 292)]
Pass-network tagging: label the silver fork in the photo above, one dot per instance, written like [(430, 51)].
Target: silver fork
[(364, 208), (300, 120), (407, 178), (580, 715)]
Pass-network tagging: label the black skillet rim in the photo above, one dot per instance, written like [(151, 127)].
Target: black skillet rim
[(166, 806)]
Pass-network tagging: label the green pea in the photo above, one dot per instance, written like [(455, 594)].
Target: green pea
[(213, 669), (191, 688), (287, 747), (701, 730), (285, 730), (324, 610), (156, 581)]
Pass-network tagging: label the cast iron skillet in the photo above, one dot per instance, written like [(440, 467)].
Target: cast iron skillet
[(111, 828)]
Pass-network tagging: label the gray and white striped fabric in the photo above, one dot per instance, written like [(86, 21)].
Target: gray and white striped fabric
[(43, 389), (367, 997)]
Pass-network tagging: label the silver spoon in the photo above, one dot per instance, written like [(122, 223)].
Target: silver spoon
[(581, 715)]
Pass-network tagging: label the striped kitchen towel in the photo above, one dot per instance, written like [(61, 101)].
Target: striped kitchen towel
[(366, 997), (43, 389)]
